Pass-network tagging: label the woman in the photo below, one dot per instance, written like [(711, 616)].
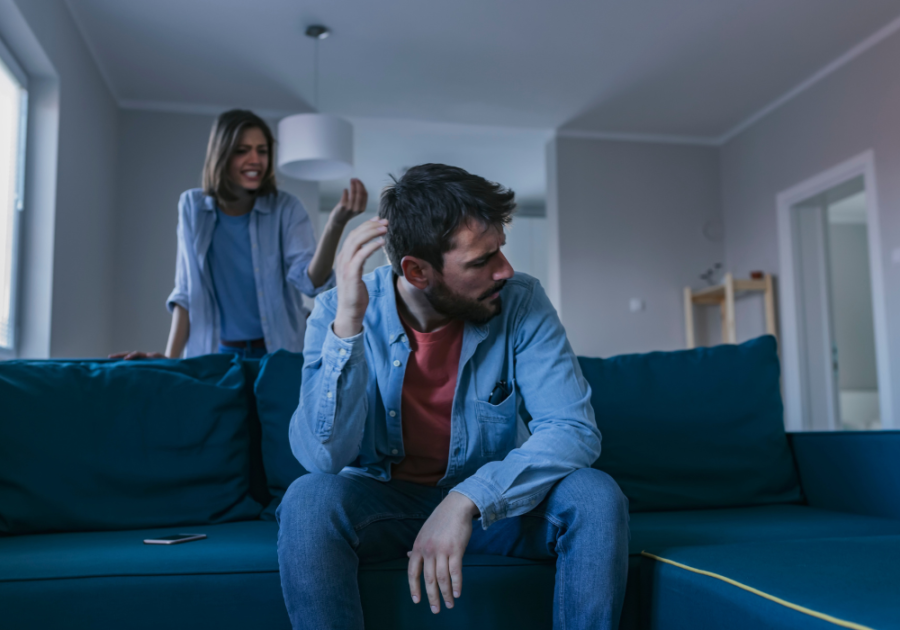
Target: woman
[(246, 251)]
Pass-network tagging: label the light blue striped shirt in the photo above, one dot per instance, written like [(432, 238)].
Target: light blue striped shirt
[(282, 244)]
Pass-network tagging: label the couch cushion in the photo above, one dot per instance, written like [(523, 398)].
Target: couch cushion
[(111, 579), (277, 392), (656, 530), (99, 445), (696, 428), (824, 583)]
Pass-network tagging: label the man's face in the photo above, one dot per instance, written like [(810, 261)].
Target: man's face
[(474, 272)]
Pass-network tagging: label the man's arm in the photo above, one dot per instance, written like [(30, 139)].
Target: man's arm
[(327, 428), (564, 433)]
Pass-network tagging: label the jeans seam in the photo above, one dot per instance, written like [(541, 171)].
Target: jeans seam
[(388, 517)]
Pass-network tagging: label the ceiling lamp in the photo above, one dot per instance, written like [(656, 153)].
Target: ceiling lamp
[(315, 147)]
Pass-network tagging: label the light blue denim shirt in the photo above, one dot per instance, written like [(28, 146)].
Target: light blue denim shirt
[(349, 414), (282, 244)]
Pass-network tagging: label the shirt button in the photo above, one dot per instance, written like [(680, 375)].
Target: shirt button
[(342, 352), (392, 413), (256, 269), (328, 395), (394, 452), (396, 363)]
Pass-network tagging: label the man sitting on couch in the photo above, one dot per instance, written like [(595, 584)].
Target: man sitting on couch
[(408, 419)]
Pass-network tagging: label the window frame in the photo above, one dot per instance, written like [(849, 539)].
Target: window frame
[(15, 69)]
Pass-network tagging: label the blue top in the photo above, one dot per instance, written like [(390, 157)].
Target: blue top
[(231, 266), (359, 381), (282, 244)]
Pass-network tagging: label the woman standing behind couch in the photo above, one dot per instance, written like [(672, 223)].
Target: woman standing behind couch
[(246, 251)]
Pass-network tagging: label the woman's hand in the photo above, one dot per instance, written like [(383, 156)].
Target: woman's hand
[(353, 203), (130, 356)]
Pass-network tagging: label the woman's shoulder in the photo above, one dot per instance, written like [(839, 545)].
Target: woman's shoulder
[(286, 204), (193, 200)]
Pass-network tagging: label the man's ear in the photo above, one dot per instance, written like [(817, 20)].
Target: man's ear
[(417, 272)]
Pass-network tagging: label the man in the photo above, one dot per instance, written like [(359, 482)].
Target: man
[(408, 419)]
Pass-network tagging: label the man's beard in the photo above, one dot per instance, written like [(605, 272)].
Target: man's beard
[(451, 304)]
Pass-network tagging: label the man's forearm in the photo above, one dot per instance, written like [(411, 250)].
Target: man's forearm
[(327, 428)]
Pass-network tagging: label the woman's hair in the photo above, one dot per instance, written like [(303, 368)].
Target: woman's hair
[(225, 134)]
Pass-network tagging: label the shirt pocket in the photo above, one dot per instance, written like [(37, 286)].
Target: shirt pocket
[(497, 425)]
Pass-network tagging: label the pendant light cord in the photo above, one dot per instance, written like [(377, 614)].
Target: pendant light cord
[(316, 76)]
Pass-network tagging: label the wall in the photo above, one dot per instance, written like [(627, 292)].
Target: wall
[(160, 155), (78, 221), (852, 110), (630, 220)]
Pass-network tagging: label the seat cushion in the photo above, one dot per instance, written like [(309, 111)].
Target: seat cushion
[(694, 429), (822, 583), (102, 445), (656, 530), (231, 580), (113, 580), (277, 390)]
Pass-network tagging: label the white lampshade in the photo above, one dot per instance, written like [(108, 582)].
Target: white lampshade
[(315, 147)]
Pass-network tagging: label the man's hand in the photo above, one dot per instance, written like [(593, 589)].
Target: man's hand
[(353, 297), (352, 203), (439, 549)]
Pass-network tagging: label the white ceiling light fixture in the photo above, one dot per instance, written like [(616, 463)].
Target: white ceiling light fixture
[(315, 147)]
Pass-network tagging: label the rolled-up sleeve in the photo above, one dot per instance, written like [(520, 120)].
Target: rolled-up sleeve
[(181, 293), (335, 373), (299, 246)]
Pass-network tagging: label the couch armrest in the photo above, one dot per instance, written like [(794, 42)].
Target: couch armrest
[(850, 471)]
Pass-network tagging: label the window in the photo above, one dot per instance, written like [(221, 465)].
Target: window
[(13, 111)]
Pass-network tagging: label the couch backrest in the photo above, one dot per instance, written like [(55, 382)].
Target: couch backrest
[(696, 428), (99, 445), (681, 430)]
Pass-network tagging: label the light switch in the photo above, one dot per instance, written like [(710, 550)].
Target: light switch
[(635, 305), (895, 256)]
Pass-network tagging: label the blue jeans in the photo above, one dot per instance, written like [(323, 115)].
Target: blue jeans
[(245, 353), (328, 524)]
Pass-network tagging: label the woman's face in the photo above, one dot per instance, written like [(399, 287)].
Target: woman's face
[(250, 159)]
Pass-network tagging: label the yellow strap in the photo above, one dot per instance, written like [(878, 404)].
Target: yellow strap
[(750, 589)]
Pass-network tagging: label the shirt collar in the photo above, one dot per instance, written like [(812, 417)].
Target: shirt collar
[(263, 204)]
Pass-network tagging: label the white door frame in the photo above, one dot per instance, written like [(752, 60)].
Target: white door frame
[(862, 164)]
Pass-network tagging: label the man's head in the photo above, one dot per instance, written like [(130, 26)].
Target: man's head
[(445, 230)]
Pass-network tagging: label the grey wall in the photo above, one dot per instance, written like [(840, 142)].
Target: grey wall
[(79, 300), (854, 109), (630, 222), (851, 298), (160, 155)]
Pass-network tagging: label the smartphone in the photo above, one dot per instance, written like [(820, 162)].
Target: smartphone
[(174, 539)]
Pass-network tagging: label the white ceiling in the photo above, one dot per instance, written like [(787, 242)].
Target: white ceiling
[(692, 68)]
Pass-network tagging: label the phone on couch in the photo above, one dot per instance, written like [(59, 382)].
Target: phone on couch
[(174, 539)]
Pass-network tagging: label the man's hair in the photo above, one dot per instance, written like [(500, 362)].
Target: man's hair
[(225, 134), (426, 206)]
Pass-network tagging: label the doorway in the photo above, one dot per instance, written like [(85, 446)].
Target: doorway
[(834, 355)]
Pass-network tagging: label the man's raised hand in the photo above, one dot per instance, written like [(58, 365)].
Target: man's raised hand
[(353, 297)]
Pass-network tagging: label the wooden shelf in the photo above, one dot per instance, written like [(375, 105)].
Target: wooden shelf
[(723, 295)]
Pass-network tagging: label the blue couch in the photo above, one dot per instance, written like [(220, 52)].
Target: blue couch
[(734, 524)]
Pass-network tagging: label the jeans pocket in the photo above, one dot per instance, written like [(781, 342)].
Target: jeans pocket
[(498, 425)]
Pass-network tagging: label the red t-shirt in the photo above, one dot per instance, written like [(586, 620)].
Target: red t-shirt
[(427, 403)]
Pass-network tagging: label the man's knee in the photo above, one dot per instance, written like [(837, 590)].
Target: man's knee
[(310, 499), (596, 496)]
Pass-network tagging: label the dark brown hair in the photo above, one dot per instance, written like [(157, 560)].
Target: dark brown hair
[(225, 134), (425, 207)]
